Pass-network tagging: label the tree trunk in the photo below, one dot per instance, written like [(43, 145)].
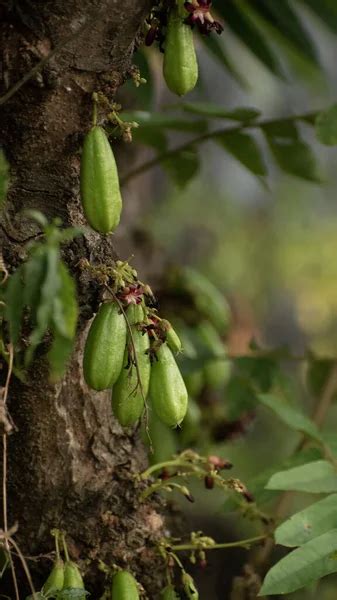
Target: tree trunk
[(70, 464)]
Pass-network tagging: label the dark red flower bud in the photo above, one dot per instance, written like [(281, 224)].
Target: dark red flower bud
[(187, 494), (150, 36), (248, 496), (165, 474), (209, 482)]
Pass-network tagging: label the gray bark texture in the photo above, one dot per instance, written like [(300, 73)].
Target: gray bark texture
[(70, 464)]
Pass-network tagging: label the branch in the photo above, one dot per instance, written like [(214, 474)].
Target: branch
[(238, 544), (200, 139)]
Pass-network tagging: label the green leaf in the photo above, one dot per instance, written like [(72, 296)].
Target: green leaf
[(49, 290), (318, 477), (164, 121), (4, 561), (330, 440), (65, 311), (303, 566), (37, 216), (34, 274), (183, 166), (261, 370), (58, 355), (326, 126), (66, 235), (240, 397), (257, 485), (150, 136), (281, 17), (292, 154), (245, 149), (326, 10), (14, 299), (4, 178), (64, 321), (245, 29), (290, 416), (214, 111), (316, 519), (317, 375)]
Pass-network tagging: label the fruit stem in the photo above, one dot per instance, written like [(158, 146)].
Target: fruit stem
[(167, 464), (240, 543), (94, 109), (65, 547), (56, 534)]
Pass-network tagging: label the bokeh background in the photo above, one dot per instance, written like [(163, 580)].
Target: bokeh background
[(271, 248)]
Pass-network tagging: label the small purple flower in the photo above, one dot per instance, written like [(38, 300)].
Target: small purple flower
[(132, 294), (200, 15)]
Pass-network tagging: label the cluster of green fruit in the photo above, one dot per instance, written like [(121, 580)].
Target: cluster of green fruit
[(131, 351), (65, 581), (203, 323)]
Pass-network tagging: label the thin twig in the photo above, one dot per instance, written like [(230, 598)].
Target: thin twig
[(204, 137), (326, 397), (4, 468), (4, 471), (176, 462), (238, 543), (25, 566)]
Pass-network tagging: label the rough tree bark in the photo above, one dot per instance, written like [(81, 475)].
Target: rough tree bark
[(70, 464)]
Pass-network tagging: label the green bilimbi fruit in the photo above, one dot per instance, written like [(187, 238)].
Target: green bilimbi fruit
[(216, 370), (135, 314), (127, 395), (172, 338), (208, 299), (194, 382), (169, 593), (73, 578), (124, 587), (167, 388), (104, 348), (100, 193), (189, 587), (55, 580), (180, 62)]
